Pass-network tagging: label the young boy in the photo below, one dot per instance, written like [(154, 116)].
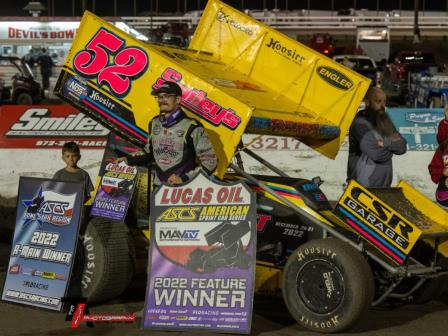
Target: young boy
[(72, 173), (438, 168)]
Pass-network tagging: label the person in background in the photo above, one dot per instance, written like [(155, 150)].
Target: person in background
[(46, 66), (373, 140), (72, 173), (438, 168)]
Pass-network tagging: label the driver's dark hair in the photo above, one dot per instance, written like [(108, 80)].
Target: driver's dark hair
[(71, 147)]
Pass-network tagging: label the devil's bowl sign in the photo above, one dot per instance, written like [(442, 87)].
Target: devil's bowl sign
[(202, 258)]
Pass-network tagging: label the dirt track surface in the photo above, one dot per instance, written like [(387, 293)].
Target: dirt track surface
[(270, 318), (270, 315)]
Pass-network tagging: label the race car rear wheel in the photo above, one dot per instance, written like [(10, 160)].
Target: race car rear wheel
[(108, 257), (327, 285)]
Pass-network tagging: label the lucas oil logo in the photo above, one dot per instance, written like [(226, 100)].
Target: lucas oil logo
[(334, 78), (49, 207)]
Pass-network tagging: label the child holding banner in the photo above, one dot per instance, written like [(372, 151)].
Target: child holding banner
[(72, 173), (438, 168)]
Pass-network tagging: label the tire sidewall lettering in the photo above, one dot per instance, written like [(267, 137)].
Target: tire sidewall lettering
[(89, 265)]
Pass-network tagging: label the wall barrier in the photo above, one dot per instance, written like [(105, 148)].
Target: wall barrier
[(22, 156)]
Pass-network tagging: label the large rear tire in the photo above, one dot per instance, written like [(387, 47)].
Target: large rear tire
[(327, 285), (108, 257)]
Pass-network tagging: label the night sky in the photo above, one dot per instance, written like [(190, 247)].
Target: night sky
[(126, 7)]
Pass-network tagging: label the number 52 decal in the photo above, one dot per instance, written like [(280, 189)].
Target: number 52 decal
[(107, 59)]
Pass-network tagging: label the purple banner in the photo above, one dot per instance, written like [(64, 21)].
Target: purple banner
[(202, 257), (115, 191)]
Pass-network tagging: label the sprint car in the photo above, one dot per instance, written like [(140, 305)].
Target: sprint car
[(330, 263)]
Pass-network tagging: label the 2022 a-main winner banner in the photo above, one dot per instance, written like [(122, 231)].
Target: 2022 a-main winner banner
[(43, 247), (202, 258)]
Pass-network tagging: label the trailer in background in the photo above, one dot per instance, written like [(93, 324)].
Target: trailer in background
[(375, 42)]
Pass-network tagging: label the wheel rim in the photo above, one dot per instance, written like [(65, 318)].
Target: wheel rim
[(320, 286)]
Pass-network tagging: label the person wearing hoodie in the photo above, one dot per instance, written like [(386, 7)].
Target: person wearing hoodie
[(438, 168), (373, 140)]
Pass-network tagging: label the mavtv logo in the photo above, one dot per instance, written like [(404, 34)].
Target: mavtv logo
[(179, 235)]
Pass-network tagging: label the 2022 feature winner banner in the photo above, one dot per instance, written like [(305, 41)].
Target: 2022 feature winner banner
[(202, 258), (43, 247), (115, 191)]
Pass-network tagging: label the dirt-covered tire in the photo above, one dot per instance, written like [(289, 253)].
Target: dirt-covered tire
[(24, 98), (108, 257), (327, 285)]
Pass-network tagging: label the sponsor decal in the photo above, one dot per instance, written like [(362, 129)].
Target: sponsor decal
[(335, 78), (75, 89), (37, 122), (106, 102), (198, 102), (378, 223), (262, 221), (34, 284), (156, 130), (14, 269), (179, 214), (49, 207), (319, 196), (226, 18), (309, 186), (424, 118), (291, 54), (175, 235), (48, 127)]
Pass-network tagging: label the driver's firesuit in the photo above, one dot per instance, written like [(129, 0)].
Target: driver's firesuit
[(176, 145)]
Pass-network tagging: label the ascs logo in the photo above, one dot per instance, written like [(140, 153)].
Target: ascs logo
[(49, 207)]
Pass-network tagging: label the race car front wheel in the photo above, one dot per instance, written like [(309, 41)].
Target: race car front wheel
[(327, 285), (107, 258)]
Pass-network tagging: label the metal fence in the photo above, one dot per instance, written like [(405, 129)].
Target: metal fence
[(434, 25)]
